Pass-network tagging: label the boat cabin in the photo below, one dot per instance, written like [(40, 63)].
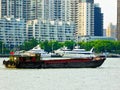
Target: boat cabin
[(25, 58)]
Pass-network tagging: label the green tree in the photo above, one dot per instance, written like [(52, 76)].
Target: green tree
[(102, 45), (50, 46), (69, 44), (27, 45), (99, 45), (46, 46), (117, 47), (1, 47)]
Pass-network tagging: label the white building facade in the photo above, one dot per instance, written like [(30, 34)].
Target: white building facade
[(12, 8), (32, 9), (50, 30), (24, 9), (47, 19), (0, 8), (12, 31)]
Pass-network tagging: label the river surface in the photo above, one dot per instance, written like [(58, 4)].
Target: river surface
[(106, 77)]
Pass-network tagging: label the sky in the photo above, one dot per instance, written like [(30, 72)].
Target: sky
[(109, 8)]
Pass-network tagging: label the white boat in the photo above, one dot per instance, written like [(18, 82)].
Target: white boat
[(37, 49), (76, 52)]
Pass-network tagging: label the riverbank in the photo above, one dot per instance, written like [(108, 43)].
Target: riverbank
[(113, 55), (4, 55)]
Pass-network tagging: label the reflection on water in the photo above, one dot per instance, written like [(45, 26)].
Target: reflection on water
[(106, 77)]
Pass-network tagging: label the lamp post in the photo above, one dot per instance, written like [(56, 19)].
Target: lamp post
[(52, 47), (2, 47)]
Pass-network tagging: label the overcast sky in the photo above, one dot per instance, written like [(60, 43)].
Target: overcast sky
[(109, 8)]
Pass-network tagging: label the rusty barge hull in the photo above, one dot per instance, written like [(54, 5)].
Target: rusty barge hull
[(75, 63), (37, 62), (89, 64)]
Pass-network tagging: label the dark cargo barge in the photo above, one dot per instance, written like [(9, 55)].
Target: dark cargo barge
[(35, 61)]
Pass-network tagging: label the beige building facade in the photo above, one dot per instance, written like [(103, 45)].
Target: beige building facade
[(85, 21), (111, 31), (118, 19)]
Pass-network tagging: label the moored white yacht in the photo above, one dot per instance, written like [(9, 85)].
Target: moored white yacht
[(37, 49), (76, 52)]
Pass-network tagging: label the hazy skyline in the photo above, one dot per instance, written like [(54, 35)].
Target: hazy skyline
[(109, 8)]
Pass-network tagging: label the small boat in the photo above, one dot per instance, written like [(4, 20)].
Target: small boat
[(76, 52), (34, 60), (38, 50)]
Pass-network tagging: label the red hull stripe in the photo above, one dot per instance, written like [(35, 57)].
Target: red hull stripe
[(66, 61)]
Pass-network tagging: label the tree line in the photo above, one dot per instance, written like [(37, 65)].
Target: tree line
[(100, 46)]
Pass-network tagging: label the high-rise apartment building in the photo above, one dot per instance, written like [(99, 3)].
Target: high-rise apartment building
[(60, 10), (27, 9), (57, 9), (12, 8), (52, 9), (69, 16), (98, 21), (46, 9), (0, 8), (74, 10), (32, 9), (12, 31), (50, 30), (85, 21), (118, 19)]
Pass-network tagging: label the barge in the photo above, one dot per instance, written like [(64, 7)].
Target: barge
[(35, 61)]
